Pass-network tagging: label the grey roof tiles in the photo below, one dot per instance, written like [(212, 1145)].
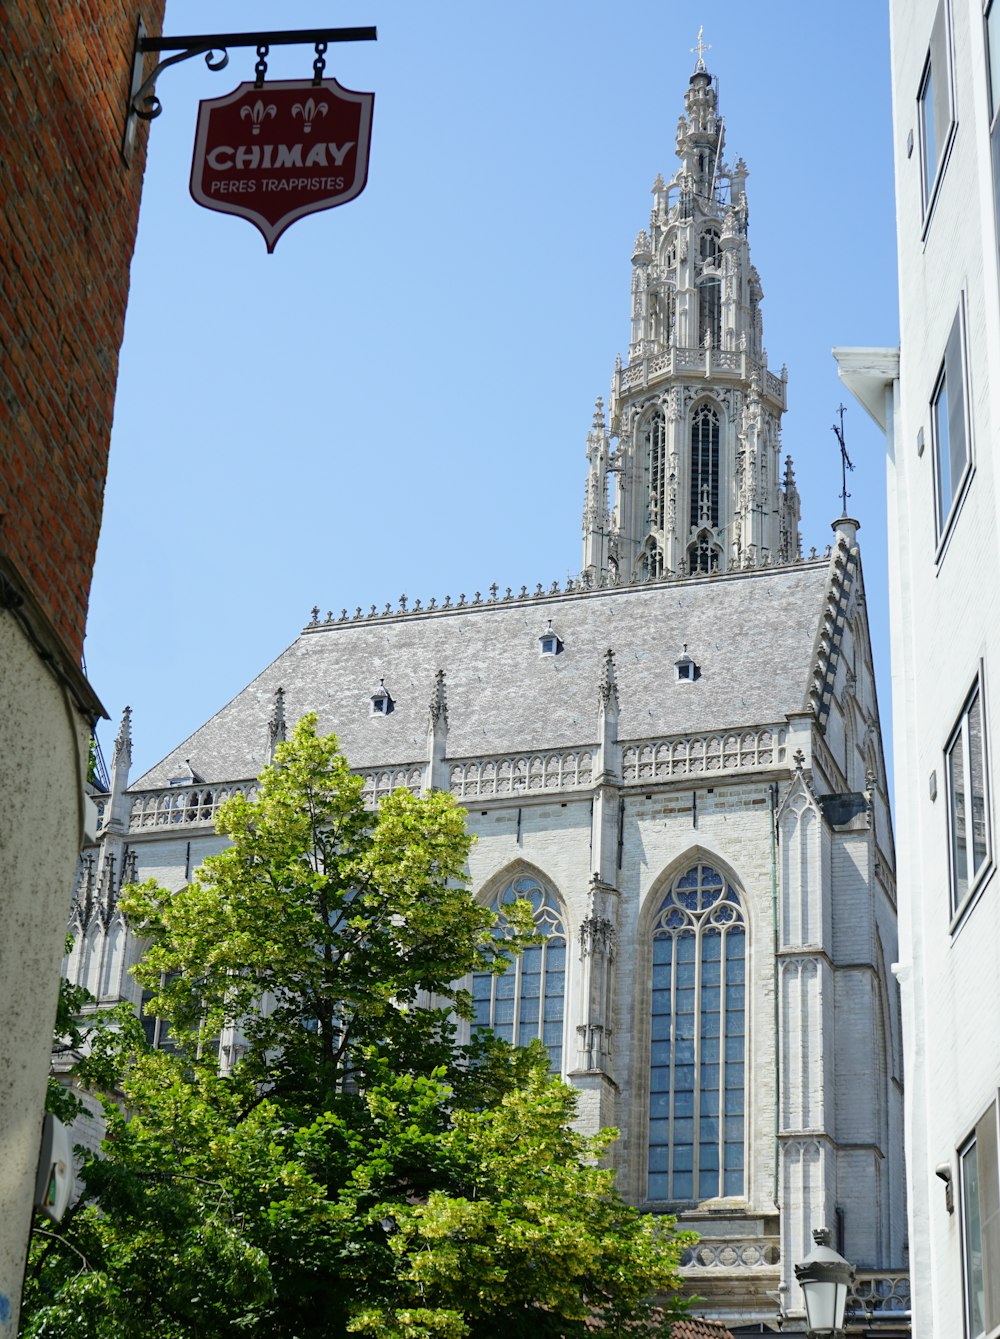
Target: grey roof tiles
[(750, 633)]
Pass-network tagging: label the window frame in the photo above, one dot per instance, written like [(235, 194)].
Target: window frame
[(550, 923), (702, 922), (992, 7), (944, 520), (987, 1224), (930, 185), (976, 876)]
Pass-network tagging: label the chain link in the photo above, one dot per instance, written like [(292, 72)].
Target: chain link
[(260, 69), (319, 64)]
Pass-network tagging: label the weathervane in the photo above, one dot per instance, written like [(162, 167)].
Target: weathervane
[(845, 460), (701, 48)]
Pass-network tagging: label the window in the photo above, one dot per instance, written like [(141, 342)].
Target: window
[(991, 16), (709, 313), (527, 1001), (980, 1189), (704, 468), (949, 426), (934, 108), (697, 1015), (968, 815), (655, 452)]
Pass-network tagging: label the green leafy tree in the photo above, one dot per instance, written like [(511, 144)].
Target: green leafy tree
[(356, 1170)]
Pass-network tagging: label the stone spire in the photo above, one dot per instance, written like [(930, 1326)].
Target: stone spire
[(697, 414), (116, 812)]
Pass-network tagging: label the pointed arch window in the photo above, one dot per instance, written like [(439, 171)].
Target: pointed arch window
[(705, 468), (710, 313), (528, 1000), (697, 1085), (710, 247), (655, 454)]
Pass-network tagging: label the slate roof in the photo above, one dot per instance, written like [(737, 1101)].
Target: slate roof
[(751, 633)]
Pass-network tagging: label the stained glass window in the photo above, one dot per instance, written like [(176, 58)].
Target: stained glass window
[(528, 1000), (697, 1086)]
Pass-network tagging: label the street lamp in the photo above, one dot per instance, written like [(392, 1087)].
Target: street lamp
[(824, 1277)]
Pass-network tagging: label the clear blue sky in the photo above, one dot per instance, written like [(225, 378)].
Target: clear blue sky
[(397, 400)]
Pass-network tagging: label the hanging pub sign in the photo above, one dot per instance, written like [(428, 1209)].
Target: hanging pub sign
[(274, 153)]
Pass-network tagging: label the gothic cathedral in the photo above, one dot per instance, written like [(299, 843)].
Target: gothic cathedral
[(676, 757)]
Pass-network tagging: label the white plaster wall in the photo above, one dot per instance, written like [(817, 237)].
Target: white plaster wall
[(43, 742), (945, 620)]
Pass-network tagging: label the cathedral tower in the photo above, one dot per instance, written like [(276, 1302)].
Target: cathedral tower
[(698, 482)]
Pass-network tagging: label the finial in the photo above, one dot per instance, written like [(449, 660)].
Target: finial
[(439, 702), (599, 414), (798, 757), (315, 615), (609, 683), (493, 591), (276, 732), (821, 1236), (123, 740), (402, 604), (701, 48)]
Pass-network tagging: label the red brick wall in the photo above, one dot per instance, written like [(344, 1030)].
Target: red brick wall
[(68, 214)]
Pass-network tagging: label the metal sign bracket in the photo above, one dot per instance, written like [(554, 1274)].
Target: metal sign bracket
[(144, 105)]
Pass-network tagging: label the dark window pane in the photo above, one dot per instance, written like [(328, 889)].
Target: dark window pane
[(657, 1187), (708, 1183), (976, 818), (683, 1158), (956, 785), (659, 1158), (683, 1186)]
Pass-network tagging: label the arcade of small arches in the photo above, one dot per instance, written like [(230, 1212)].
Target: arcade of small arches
[(694, 1015)]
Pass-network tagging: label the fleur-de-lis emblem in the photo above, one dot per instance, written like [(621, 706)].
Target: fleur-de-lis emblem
[(309, 110), (258, 114)]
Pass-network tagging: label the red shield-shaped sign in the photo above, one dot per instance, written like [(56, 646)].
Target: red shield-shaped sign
[(275, 153)]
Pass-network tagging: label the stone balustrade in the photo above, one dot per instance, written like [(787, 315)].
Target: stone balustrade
[(707, 362), (175, 806), (382, 781), (692, 755), (483, 778), (529, 773)]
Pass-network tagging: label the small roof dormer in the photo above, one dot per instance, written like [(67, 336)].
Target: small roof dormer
[(382, 701), (186, 776), (550, 643), (685, 669)]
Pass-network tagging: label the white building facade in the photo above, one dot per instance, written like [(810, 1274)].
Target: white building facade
[(937, 398), (675, 756)]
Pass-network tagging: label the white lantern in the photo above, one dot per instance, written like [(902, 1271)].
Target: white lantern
[(825, 1278)]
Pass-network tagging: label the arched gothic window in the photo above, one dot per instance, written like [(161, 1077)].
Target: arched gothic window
[(111, 970), (710, 247), (705, 468), (527, 1001), (655, 453), (710, 313), (697, 1083)]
